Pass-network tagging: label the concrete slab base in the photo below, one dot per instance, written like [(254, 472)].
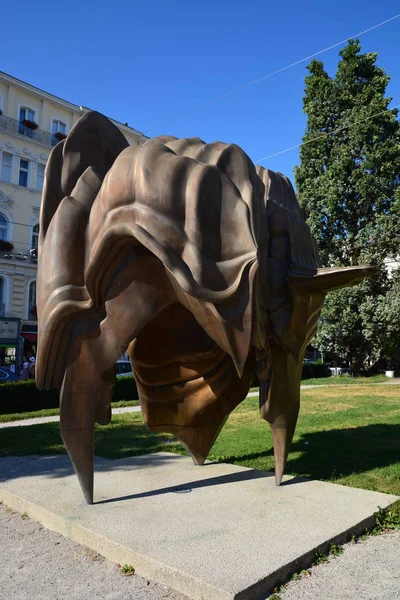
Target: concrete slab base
[(217, 532)]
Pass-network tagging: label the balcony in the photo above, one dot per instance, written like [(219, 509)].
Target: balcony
[(18, 128), (18, 251)]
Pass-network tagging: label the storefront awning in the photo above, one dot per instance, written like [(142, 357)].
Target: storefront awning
[(31, 337)]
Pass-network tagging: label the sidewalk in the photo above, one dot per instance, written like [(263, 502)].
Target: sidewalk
[(367, 570), (38, 564), (56, 418)]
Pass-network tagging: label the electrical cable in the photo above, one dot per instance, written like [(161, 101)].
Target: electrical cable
[(325, 135), (281, 70)]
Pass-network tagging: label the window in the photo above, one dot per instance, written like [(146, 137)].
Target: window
[(39, 176), (59, 127), (59, 131), (6, 166), (3, 228), (2, 297), (32, 314), (23, 172), (26, 114), (35, 236)]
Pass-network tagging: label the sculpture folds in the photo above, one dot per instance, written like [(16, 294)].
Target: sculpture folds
[(191, 259)]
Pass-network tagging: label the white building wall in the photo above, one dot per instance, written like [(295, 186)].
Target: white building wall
[(20, 204)]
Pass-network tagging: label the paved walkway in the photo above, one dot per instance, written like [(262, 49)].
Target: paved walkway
[(367, 570), (55, 418), (38, 564)]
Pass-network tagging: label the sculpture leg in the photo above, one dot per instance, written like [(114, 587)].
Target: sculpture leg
[(77, 432), (280, 403), (85, 398), (89, 381), (199, 440), (77, 415), (282, 436), (79, 443)]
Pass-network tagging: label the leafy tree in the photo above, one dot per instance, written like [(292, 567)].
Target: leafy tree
[(349, 188), (381, 316)]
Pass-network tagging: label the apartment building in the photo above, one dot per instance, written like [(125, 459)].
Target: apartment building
[(32, 121)]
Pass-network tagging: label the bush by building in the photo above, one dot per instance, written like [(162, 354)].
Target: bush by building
[(23, 396)]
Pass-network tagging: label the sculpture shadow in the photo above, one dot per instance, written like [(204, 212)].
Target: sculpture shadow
[(189, 486), (338, 452), (341, 452), (58, 465), (43, 444), (318, 455)]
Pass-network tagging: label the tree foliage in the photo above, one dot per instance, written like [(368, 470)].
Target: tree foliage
[(348, 185)]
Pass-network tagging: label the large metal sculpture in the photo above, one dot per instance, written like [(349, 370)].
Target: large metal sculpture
[(194, 261)]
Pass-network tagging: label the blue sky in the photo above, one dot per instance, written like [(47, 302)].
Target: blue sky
[(160, 65)]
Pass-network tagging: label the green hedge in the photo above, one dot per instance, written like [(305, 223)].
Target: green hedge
[(315, 371), (310, 371), (23, 396)]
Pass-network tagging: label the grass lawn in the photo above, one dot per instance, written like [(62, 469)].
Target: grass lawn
[(342, 380), (347, 435)]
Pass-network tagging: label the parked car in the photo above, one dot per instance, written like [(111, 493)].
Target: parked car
[(124, 368), (339, 370), (7, 375)]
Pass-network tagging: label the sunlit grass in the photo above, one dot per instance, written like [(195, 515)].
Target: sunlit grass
[(348, 435)]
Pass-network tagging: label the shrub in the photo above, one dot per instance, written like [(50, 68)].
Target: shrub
[(30, 124), (310, 371), (23, 396), (125, 389), (315, 371), (6, 246), (59, 135)]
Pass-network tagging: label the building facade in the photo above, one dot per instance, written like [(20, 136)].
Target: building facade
[(31, 123)]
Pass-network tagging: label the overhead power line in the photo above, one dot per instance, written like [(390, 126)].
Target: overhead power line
[(325, 135), (281, 70), (314, 139), (298, 62)]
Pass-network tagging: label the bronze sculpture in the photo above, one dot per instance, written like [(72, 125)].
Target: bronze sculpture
[(194, 261)]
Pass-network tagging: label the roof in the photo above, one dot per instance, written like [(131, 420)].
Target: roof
[(64, 103)]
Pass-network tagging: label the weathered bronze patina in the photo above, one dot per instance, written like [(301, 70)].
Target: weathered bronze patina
[(194, 261)]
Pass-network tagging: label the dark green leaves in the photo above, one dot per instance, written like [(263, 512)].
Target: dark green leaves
[(348, 185)]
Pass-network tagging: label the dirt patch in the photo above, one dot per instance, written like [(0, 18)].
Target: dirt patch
[(324, 407), (353, 391)]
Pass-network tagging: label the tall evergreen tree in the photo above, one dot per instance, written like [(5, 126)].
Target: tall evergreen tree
[(349, 188)]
